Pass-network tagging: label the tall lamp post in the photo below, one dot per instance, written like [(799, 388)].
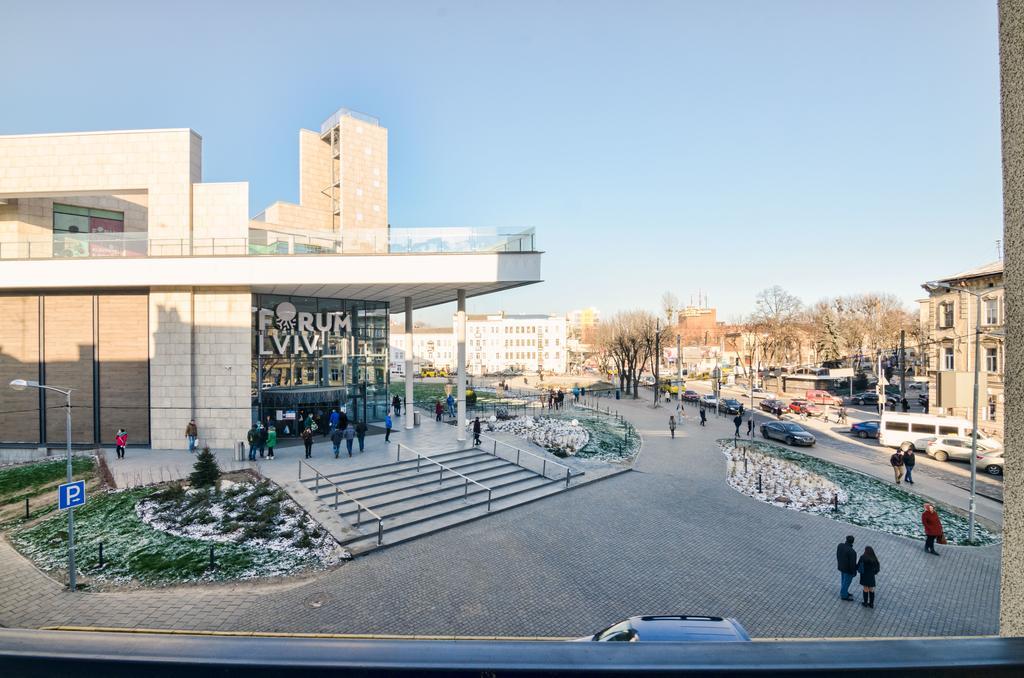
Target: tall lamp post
[(935, 287), (21, 385)]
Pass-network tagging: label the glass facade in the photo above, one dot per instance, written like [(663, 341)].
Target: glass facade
[(85, 232), (310, 355)]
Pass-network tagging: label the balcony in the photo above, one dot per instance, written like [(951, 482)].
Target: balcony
[(270, 242)]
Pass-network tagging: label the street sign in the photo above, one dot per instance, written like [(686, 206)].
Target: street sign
[(70, 495)]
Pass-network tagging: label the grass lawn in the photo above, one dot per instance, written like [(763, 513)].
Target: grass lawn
[(157, 536), (38, 481)]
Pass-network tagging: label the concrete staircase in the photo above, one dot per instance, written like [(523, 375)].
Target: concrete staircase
[(416, 497)]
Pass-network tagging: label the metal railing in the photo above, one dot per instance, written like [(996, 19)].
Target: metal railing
[(360, 506), (442, 469), (519, 451), (271, 242)]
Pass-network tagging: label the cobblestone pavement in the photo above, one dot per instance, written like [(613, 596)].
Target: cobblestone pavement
[(669, 537)]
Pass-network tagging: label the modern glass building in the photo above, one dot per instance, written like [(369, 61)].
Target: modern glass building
[(157, 299)]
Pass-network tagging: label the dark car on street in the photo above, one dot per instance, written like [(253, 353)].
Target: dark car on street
[(673, 629), (866, 398), (691, 396), (774, 406), (788, 432), (866, 429), (731, 406)]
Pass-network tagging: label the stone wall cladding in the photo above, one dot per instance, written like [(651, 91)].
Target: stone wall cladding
[(1011, 58), (223, 319)]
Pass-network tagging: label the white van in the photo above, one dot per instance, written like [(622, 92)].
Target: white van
[(916, 430)]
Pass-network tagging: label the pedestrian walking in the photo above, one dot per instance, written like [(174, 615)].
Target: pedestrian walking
[(396, 405), (846, 559), (905, 404), (361, 434), (253, 438), (909, 460), (120, 440), (896, 461), (868, 567), (703, 417), (737, 420), (842, 415), (476, 432), (336, 437), (451, 405), (932, 529), (672, 425), (750, 425), (575, 394), (191, 434), (334, 419), (438, 410), (307, 441), (387, 428), (271, 440), (350, 435)]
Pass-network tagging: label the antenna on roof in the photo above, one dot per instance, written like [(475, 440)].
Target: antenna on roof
[(999, 249)]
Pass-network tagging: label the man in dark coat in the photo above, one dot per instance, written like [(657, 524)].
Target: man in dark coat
[(703, 416), (896, 461), (846, 559), (737, 420), (909, 459)]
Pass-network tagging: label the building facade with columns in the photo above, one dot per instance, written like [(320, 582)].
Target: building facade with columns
[(157, 299)]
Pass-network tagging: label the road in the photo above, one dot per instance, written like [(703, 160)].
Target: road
[(946, 482)]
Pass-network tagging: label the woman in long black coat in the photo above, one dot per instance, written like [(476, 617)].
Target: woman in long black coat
[(868, 567)]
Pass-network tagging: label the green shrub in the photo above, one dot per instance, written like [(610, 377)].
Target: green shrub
[(205, 471)]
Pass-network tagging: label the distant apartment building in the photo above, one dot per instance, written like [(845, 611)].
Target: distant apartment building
[(495, 343), (948, 321), (583, 324)]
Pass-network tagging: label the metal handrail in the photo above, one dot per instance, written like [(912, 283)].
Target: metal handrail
[(360, 505), (440, 475), (544, 466)]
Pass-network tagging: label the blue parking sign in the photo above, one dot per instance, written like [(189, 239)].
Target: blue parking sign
[(70, 495)]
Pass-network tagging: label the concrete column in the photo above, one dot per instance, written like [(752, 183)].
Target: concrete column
[(1011, 66), (409, 420), (460, 339)]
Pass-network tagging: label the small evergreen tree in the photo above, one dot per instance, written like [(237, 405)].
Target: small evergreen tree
[(205, 471)]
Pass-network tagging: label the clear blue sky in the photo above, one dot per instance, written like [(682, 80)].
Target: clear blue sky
[(827, 147)]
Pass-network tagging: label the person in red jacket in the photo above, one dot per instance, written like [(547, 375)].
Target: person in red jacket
[(120, 440), (932, 528)]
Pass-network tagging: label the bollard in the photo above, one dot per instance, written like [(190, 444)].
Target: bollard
[(380, 533), (399, 458), (495, 448), (744, 464), (759, 482), (26, 508), (212, 564), (835, 502), (101, 555), (544, 469), (567, 477)]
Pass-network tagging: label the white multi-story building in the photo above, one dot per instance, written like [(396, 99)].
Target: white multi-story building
[(154, 297), (495, 343)]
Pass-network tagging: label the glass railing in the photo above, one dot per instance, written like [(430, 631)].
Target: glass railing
[(270, 242)]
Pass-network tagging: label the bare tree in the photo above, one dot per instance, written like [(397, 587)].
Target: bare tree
[(669, 304)]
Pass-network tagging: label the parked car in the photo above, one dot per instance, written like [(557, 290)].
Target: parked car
[(709, 400), (691, 396), (992, 462), (731, 406), (866, 429), (774, 406), (958, 448), (866, 398), (788, 432), (804, 407), (672, 628), (762, 393)]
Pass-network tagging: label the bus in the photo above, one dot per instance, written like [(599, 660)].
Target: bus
[(907, 430)]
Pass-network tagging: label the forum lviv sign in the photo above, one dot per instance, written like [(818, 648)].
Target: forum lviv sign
[(298, 331)]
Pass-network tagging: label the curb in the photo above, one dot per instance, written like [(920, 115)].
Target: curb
[(276, 634)]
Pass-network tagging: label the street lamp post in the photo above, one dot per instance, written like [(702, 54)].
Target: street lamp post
[(933, 287), (21, 385)]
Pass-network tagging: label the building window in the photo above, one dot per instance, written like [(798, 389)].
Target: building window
[(86, 232), (992, 408), (946, 314), (991, 359), (947, 363), (991, 311)]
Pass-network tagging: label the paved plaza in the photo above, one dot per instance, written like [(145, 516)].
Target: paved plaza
[(669, 537)]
